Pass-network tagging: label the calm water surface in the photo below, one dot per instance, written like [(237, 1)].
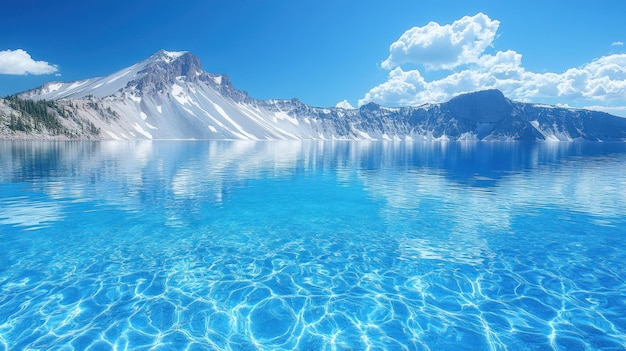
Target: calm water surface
[(312, 246)]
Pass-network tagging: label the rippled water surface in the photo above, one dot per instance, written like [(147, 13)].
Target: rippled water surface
[(312, 246)]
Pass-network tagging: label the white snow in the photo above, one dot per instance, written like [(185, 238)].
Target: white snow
[(365, 135), (344, 104), (172, 55), (142, 131), (118, 76), (543, 106), (551, 137), (150, 126), (207, 113), (468, 136), (135, 98), (221, 111), (189, 102), (77, 84), (390, 109), (284, 115), (189, 111), (112, 135), (180, 95), (52, 87)]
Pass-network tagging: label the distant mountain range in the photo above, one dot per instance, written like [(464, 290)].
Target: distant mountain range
[(169, 96)]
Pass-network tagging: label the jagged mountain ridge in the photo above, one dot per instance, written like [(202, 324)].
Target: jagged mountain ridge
[(169, 96)]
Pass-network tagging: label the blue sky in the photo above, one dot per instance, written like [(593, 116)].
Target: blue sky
[(322, 52)]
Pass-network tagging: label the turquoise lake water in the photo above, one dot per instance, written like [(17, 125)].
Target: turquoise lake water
[(193, 245)]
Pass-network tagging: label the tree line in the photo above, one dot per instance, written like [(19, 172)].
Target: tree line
[(43, 115)]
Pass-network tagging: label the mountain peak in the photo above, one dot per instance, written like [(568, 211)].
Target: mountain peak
[(480, 96), (168, 55), (166, 67), (184, 62), (169, 96), (485, 106)]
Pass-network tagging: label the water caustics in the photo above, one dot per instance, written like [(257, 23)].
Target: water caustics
[(312, 245)]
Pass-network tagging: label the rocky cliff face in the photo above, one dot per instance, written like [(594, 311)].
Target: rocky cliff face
[(488, 106), (169, 96)]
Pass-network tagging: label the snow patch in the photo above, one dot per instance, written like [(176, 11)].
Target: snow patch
[(213, 129), (243, 133), (551, 137), (112, 135), (52, 87), (344, 105), (218, 80), (169, 56), (180, 95), (135, 98), (468, 136), (143, 115), (150, 126), (159, 108), (118, 77), (77, 84), (390, 109), (544, 106), (142, 131), (365, 135), (189, 111), (284, 115)]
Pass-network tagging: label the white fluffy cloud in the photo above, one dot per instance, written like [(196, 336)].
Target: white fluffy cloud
[(443, 47), (601, 82), (19, 62), (617, 43)]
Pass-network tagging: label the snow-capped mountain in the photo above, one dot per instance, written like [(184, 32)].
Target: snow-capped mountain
[(169, 96)]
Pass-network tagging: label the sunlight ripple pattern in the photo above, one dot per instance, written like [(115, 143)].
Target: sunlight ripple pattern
[(263, 246)]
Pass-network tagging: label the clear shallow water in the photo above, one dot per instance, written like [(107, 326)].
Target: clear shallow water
[(312, 246)]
